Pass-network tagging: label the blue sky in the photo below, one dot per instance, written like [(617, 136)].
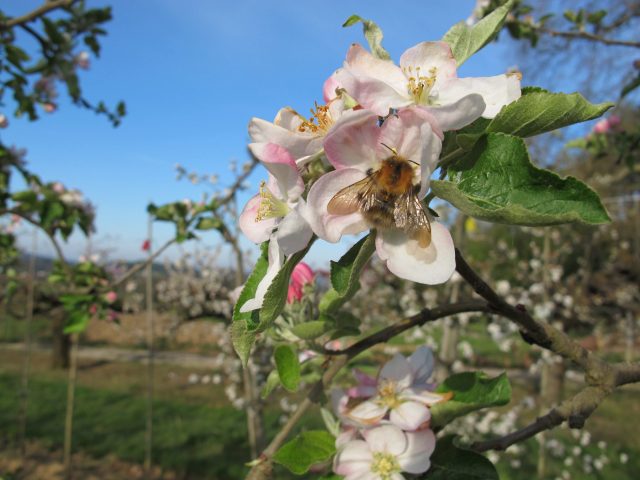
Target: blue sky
[(192, 74)]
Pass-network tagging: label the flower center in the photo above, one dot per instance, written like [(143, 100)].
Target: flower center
[(270, 206), (388, 394), (319, 122), (419, 86), (384, 464)]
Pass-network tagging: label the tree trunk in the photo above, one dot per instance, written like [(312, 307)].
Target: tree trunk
[(61, 342)]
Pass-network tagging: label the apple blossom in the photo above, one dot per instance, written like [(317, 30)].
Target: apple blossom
[(400, 391), (426, 77), (385, 452), (276, 212), (302, 137), (356, 147), (301, 276), (4, 122)]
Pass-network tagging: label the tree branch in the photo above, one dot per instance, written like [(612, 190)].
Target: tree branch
[(133, 270), (419, 319), (38, 12), (580, 35)]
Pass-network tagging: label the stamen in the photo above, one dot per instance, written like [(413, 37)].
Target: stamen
[(419, 86), (270, 206), (319, 122), (385, 465)]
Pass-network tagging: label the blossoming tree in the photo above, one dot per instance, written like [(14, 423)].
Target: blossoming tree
[(389, 140)]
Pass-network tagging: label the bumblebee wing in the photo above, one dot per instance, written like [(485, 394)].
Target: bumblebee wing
[(353, 198), (410, 216)]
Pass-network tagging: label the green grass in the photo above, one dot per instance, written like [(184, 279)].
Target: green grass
[(197, 441)]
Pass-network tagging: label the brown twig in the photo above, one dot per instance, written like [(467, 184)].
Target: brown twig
[(137, 268), (38, 12)]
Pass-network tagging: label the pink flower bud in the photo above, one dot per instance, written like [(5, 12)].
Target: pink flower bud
[(614, 121), (49, 107), (111, 297), (146, 246), (601, 127), (302, 275), (93, 309)]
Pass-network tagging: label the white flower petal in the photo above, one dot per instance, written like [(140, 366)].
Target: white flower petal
[(420, 446), (276, 260), (354, 458), (332, 227), (368, 412), (386, 438), (427, 56), (282, 166), (353, 141), (425, 396), (256, 231), (362, 63), (409, 415), (372, 93), (294, 233), (396, 370), (496, 91), (461, 113), (421, 362), (406, 259)]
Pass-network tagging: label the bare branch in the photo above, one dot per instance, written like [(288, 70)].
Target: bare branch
[(419, 319), (131, 272), (38, 12)]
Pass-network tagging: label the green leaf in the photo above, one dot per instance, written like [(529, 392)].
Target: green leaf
[(345, 274), (471, 391), (465, 40), (77, 322), (449, 462), (276, 297), (242, 336), (305, 450), (540, 111), (208, 223), (312, 330), (630, 87), (273, 380), (498, 183), (372, 33), (288, 367)]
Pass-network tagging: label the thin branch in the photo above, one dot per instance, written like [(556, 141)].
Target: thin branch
[(133, 270), (580, 35), (419, 319), (52, 239), (38, 12), (237, 185)]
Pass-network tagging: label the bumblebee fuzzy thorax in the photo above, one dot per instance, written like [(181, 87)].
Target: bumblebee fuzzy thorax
[(395, 176)]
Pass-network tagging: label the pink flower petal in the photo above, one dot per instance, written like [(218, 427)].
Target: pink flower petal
[(329, 87), (386, 438), (362, 63), (406, 259), (409, 415), (332, 227), (363, 378), (371, 93), (282, 166), (353, 141), (416, 457), (256, 231)]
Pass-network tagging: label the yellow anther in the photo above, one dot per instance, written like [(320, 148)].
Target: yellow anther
[(270, 206), (319, 122)]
